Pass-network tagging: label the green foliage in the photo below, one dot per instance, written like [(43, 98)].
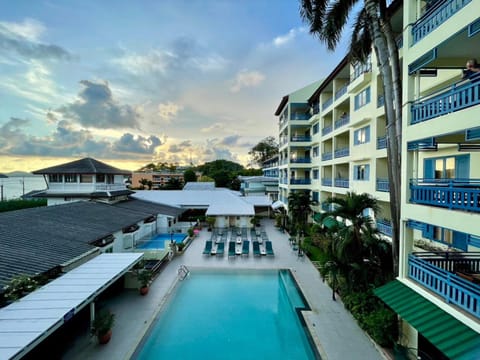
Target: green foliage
[(189, 176), (223, 172), (19, 286), (180, 246), (251, 172), (211, 221), (144, 277), (18, 204), (264, 150), (103, 322), (190, 232), (173, 183)]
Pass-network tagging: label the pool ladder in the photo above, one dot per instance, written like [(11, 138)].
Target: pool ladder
[(183, 272)]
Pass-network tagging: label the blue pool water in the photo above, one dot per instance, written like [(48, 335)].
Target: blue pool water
[(230, 315), (158, 242)]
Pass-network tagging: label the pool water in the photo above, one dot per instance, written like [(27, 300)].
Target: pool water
[(158, 241), (230, 315)]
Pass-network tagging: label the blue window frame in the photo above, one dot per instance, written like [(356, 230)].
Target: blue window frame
[(447, 167), (315, 174), (457, 239), (315, 196), (315, 128), (362, 98), (361, 136), (315, 151), (361, 172)]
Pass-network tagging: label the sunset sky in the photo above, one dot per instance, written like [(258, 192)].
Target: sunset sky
[(130, 82)]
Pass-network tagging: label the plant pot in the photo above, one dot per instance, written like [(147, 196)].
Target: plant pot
[(105, 338), (144, 290)]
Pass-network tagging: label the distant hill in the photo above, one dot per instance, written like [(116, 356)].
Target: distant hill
[(19, 174)]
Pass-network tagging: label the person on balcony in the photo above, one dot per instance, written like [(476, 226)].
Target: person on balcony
[(472, 70)]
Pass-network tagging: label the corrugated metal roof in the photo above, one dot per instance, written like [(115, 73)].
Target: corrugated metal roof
[(449, 335), (199, 186), (29, 320), (83, 166), (150, 207)]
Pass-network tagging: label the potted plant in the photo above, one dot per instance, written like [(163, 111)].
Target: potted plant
[(102, 326), (144, 277), (211, 222), (180, 246)]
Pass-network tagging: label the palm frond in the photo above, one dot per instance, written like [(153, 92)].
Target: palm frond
[(335, 19), (361, 39), (312, 12)]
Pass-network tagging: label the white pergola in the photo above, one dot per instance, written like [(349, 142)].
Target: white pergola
[(28, 321)]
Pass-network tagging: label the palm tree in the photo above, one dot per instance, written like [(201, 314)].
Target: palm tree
[(299, 208), (372, 26), (143, 182)]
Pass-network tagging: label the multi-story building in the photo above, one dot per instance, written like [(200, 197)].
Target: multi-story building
[(158, 178), (333, 141)]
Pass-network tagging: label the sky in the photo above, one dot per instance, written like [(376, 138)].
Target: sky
[(134, 82)]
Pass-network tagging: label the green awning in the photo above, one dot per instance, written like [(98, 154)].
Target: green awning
[(452, 337), (329, 222)]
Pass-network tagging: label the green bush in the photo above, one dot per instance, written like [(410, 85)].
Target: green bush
[(19, 286), (18, 204)]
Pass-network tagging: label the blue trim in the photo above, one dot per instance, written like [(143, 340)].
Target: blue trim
[(417, 225), (423, 60), (474, 240), (472, 134), (474, 28), (423, 144)]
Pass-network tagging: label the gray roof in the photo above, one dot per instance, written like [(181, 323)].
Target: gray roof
[(150, 207), (36, 240), (83, 166), (199, 186), (90, 195)]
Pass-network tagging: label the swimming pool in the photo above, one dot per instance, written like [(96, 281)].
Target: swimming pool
[(158, 241), (230, 315)]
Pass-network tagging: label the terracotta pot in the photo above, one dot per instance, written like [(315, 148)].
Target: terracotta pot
[(144, 290), (105, 338)]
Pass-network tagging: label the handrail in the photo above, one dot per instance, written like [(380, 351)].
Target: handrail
[(458, 182)]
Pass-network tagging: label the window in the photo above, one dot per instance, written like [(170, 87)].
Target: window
[(361, 136), (315, 174), (362, 98), (70, 178), (55, 178), (315, 196), (315, 151), (451, 167), (100, 178), (110, 179), (86, 178), (315, 128), (361, 172)]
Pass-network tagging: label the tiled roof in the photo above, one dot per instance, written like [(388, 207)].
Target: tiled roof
[(83, 166)]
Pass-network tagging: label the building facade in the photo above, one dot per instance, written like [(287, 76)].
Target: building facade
[(158, 178)]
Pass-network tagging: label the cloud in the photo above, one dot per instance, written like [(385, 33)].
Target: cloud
[(246, 79), (23, 39), (286, 38), (96, 107), (68, 140), (168, 110), (230, 140)]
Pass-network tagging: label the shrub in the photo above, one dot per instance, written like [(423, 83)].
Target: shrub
[(103, 322), (19, 286), (180, 246), (381, 325), (190, 232)]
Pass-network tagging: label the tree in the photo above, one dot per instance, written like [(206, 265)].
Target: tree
[(143, 182), (299, 208), (150, 184), (372, 26), (189, 176), (173, 183), (264, 150)]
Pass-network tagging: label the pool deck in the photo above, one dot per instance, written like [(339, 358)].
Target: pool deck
[(333, 328)]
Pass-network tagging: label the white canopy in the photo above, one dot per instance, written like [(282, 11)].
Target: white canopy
[(28, 321)]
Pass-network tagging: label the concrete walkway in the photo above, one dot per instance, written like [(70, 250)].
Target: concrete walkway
[(334, 330)]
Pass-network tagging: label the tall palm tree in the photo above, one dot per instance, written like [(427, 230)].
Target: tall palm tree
[(372, 26), (299, 208)]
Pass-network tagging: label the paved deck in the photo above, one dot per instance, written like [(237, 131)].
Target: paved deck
[(334, 329)]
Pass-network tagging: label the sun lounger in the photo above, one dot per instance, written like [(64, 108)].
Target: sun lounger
[(208, 247), (221, 249), (268, 248), (245, 247), (231, 248), (256, 248)]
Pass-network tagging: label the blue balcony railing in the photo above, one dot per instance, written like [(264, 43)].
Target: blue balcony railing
[(342, 91), (384, 226), (382, 185), (283, 181), (344, 120), (342, 183), (327, 156), (300, 181), (301, 160), (327, 103), (458, 96), (342, 152), (300, 138), (452, 287), (327, 130), (380, 101), (435, 17), (457, 194), (381, 142), (327, 182), (300, 116)]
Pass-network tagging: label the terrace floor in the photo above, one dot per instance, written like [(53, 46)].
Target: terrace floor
[(333, 328)]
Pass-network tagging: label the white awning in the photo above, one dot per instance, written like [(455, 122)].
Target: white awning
[(277, 204), (26, 322)]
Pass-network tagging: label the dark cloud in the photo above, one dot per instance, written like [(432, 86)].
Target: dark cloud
[(66, 140), (11, 42), (96, 107), (230, 140)]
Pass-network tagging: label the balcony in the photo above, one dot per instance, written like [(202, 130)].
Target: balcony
[(342, 91), (381, 142), (455, 194), (109, 187), (300, 116), (342, 183), (300, 181), (327, 103), (458, 96), (283, 181), (301, 138), (327, 156), (301, 160), (454, 276), (435, 17), (342, 152), (382, 185), (327, 182), (385, 227), (344, 120), (327, 130)]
